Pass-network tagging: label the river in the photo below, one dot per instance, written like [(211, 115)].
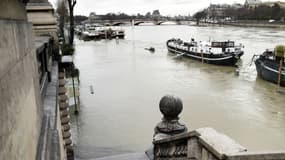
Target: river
[(129, 81)]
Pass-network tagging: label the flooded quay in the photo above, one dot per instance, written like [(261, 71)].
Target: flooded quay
[(128, 82)]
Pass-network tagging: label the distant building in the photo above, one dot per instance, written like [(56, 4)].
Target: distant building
[(217, 11), (93, 17), (271, 4), (252, 3), (237, 5)]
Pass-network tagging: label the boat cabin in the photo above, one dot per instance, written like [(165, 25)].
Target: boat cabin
[(269, 54), (227, 44), (223, 45)]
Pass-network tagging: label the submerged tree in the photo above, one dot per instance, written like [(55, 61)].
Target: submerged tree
[(71, 5)]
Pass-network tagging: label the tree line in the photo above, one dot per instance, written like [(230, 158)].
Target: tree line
[(260, 12)]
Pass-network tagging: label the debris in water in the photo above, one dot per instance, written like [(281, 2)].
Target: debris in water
[(91, 89), (151, 49), (237, 72)]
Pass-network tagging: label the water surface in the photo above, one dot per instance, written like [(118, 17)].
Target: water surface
[(129, 81)]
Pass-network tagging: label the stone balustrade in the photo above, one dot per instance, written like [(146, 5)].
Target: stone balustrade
[(200, 144)]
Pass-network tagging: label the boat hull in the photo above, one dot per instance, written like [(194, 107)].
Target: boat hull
[(225, 59), (269, 70)]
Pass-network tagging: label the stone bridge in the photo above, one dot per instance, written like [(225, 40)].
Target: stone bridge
[(137, 22)]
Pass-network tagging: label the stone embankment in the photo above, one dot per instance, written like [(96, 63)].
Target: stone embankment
[(32, 124), (258, 24)]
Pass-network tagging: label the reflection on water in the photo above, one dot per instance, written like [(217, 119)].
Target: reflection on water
[(129, 81)]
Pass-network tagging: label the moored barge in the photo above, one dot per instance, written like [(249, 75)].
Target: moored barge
[(219, 53), (269, 66)]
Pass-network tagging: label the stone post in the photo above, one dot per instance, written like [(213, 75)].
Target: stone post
[(170, 107)]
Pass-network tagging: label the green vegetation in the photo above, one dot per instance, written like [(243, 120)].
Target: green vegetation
[(280, 50), (262, 12)]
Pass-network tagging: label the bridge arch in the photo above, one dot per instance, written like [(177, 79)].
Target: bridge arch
[(138, 23), (118, 23), (159, 22)]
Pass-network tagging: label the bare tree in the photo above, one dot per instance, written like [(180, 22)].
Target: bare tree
[(200, 15), (71, 5), (62, 12)]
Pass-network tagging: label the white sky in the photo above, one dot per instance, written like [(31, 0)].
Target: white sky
[(166, 7)]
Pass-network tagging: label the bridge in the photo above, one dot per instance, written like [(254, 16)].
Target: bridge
[(137, 22)]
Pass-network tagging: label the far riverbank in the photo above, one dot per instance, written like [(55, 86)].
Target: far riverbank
[(261, 24)]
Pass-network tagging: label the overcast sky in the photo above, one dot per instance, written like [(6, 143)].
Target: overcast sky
[(166, 7)]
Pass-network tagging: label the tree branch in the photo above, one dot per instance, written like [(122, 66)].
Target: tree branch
[(74, 2)]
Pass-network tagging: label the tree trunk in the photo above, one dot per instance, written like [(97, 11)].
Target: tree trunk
[(71, 4), (61, 27), (71, 29), (197, 21)]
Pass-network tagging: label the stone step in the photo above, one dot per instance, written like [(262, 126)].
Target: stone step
[(68, 142), (65, 127), (61, 75), (63, 98), (62, 82), (63, 106), (65, 120), (62, 90), (66, 135), (64, 113)]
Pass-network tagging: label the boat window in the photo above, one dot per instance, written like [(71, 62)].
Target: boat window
[(230, 44), (216, 44), (223, 44)]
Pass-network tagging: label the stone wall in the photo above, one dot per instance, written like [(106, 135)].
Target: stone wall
[(20, 105), (12, 9)]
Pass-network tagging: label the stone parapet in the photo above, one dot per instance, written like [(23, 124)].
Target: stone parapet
[(200, 144), (207, 144)]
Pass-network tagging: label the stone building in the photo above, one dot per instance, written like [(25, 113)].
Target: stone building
[(252, 3), (271, 4), (217, 11)]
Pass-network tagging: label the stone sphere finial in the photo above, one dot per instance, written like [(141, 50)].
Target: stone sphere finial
[(170, 106)]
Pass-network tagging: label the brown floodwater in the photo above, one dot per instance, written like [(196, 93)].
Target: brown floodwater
[(128, 82)]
